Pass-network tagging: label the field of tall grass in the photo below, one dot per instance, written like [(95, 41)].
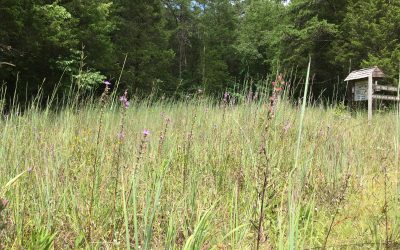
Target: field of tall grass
[(199, 174)]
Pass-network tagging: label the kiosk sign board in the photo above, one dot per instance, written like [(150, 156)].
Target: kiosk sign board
[(364, 87), (361, 91)]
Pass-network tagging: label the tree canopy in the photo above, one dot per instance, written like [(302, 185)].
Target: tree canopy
[(173, 46)]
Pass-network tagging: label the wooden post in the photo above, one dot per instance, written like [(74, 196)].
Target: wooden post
[(370, 93), (374, 101)]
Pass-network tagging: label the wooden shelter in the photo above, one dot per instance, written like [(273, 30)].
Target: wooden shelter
[(364, 86)]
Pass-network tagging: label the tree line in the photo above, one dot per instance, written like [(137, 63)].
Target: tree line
[(179, 46)]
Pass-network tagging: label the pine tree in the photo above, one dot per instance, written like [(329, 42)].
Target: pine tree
[(142, 35), (370, 36), (259, 36), (314, 26), (219, 22)]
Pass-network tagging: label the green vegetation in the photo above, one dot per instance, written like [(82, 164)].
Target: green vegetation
[(189, 175), (170, 47), (173, 163)]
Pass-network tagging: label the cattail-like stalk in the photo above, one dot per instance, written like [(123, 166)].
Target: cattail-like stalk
[(141, 150), (225, 102), (385, 209), (142, 147), (103, 101), (3, 204), (262, 194), (187, 152), (121, 136), (274, 99), (278, 87), (163, 135), (340, 199)]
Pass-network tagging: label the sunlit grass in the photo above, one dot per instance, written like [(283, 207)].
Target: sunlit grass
[(199, 189)]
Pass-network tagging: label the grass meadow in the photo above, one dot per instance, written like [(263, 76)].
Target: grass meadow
[(199, 174)]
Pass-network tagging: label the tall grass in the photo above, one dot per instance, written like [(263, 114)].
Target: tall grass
[(198, 190)]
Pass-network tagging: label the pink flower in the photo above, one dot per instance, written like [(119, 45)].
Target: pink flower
[(287, 127), (226, 96), (146, 133), (124, 100), (121, 135), (107, 83), (3, 204)]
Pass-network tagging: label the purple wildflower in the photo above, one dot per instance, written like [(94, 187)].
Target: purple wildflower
[(146, 133), (226, 95), (121, 135), (3, 204), (124, 99), (287, 127), (107, 83)]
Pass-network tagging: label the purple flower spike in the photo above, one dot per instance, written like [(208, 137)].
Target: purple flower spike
[(287, 127), (124, 100), (226, 96), (146, 132), (3, 204), (107, 83), (121, 135)]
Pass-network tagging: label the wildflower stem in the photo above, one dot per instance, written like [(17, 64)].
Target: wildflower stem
[(94, 170), (261, 215), (125, 104)]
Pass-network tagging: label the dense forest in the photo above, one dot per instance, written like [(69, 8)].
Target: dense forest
[(182, 46)]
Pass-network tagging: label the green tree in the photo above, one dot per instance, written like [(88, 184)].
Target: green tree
[(370, 35), (95, 25), (143, 36), (219, 22), (313, 28), (184, 41), (43, 40), (260, 36), (43, 34), (203, 36)]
